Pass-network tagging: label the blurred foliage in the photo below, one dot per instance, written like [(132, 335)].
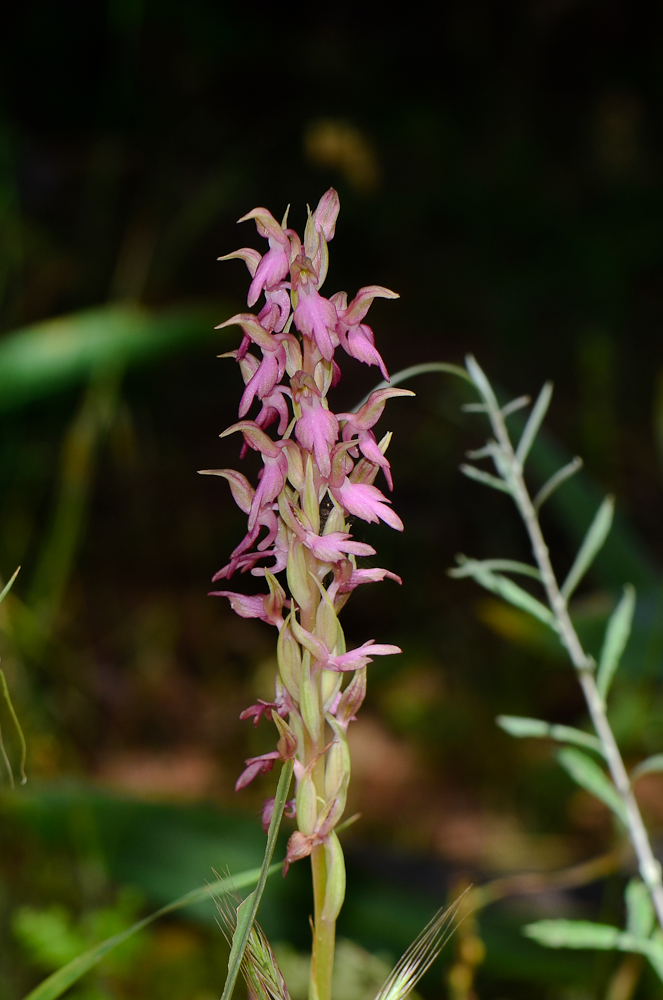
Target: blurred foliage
[(499, 166)]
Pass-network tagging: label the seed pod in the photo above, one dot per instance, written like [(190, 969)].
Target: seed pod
[(335, 890)]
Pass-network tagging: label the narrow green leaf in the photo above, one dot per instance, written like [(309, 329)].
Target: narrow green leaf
[(616, 636), (17, 726), (246, 912), (640, 915), (515, 405), (60, 981), (587, 773), (485, 477), (43, 358), (8, 586), (573, 934), (556, 480), (594, 539), (505, 565), (521, 727), (480, 380), (505, 588), (602, 937), (648, 766), (534, 422)]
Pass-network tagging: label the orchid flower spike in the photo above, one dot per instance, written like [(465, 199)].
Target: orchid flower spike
[(316, 474)]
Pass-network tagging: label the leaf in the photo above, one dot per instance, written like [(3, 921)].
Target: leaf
[(594, 539), (654, 953), (17, 725), (246, 912), (56, 984), (616, 636), (640, 915), (603, 937), (521, 727), (534, 422), (480, 380), (8, 586), (485, 477), (587, 773), (556, 480), (505, 588), (40, 359), (573, 934), (515, 405), (648, 766), (506, 565)]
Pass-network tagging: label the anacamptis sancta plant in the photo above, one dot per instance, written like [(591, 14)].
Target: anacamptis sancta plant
[(318, 470)]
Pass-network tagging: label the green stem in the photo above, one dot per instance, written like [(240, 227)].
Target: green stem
[(322, 963)]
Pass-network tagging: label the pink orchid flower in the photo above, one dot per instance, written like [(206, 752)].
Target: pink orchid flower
[(317, 427), (366, 502), (315, 316)]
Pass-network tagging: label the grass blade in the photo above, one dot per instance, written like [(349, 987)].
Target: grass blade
[(246, 912), (534, 422), (41, 359), (17, 725), (594, 539), (8, 586), (616, 636), (59, 981)]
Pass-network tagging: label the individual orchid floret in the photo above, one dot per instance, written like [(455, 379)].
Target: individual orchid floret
[(356, 338), (366, 502), (255, 766), (260, 606), (336, 545), (357, 659), (315, 316), (283, 705), (359, 424), (252, 329), (347, 577), (316, 428), (274, 266), (275, 464)]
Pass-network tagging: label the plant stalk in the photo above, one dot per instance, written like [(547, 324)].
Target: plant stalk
[(648, 865)]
